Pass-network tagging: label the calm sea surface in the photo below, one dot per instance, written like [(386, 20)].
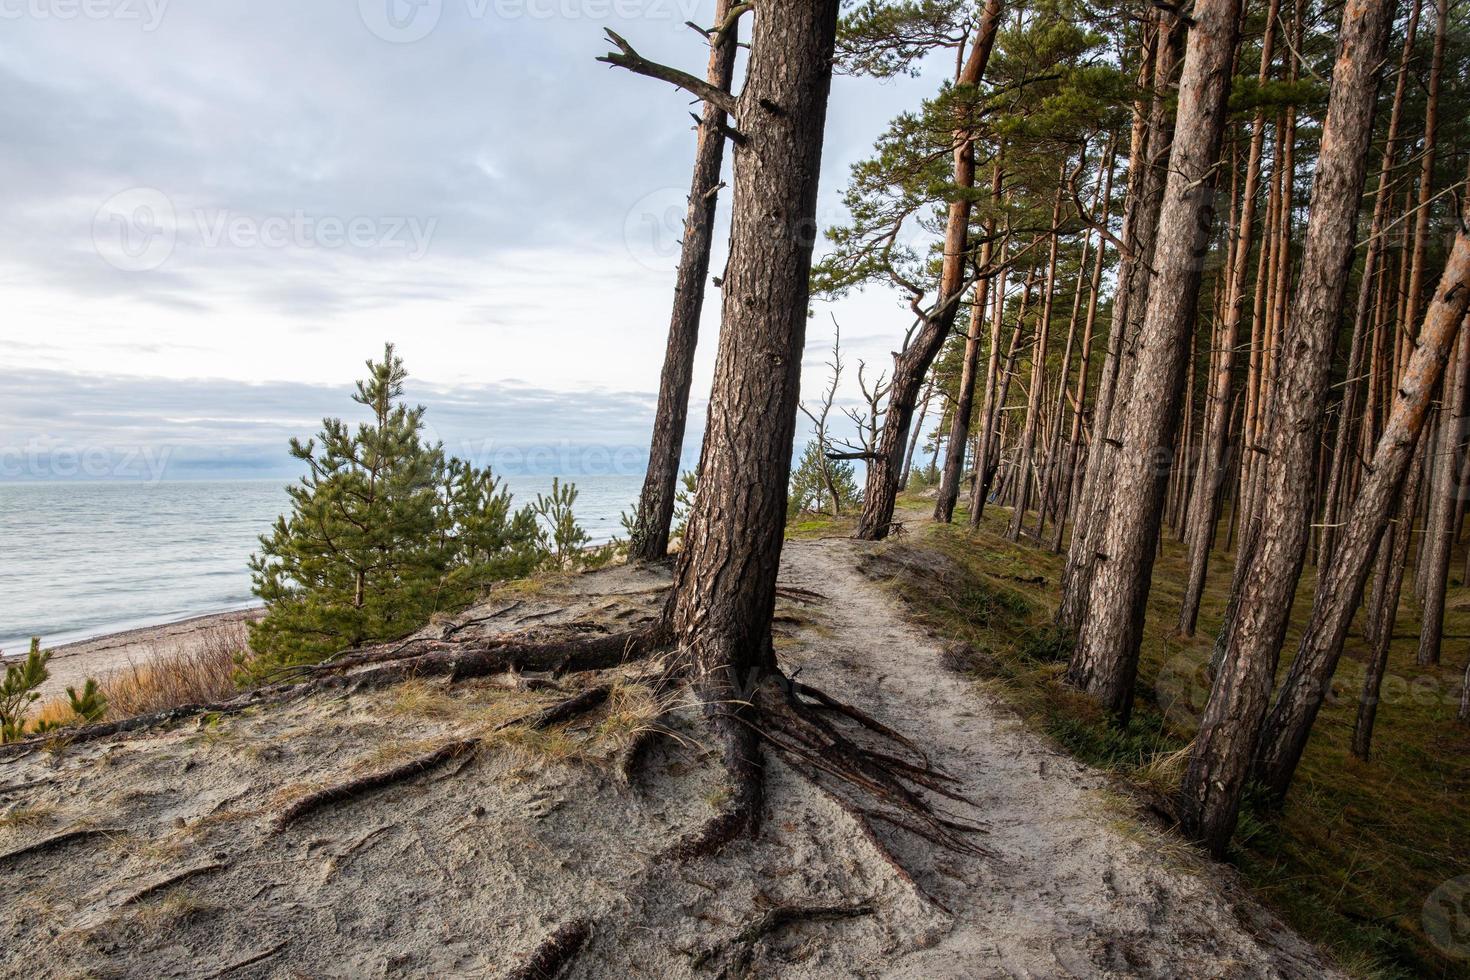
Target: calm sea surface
[(81, 559)]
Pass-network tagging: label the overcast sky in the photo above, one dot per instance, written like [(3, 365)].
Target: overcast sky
[(215, 210)]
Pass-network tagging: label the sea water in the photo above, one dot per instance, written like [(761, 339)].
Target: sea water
[(81, 559)]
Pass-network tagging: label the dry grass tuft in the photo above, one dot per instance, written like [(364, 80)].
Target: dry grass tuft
[(193, 673), (27, 816)]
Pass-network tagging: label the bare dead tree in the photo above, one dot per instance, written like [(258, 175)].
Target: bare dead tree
[(823, 411), (649, 540)]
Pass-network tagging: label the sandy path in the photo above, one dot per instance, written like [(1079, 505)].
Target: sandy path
[(1078, 887)]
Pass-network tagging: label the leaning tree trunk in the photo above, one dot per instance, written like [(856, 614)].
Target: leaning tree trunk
[(1105, 661), (725, 583), (649, 540), (1204, 506), (1275, 545), (880, 490), (1287, 727)]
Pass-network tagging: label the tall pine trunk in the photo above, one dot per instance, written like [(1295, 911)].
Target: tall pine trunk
[(1275, 544), (725, 582), (649, 540), (1205, 504), (1148, 162), (1105, 661)]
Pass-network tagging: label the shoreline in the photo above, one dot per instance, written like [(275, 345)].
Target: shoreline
[(72, 663)]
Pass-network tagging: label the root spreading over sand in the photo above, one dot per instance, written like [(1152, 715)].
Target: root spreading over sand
[(521, 825)]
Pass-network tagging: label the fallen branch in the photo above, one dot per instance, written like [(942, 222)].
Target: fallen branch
[(249, 960)]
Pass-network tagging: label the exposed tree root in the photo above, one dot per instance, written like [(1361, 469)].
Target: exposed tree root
[(555, 952), (457, 628), (736, 954), (159, 719), (800, 595), (57, 840), (390, 664), (364, 784), (249, 960), (741, 812), (155, 887), (578, 704)]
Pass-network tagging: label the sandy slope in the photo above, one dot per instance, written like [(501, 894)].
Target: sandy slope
[(464, 870)]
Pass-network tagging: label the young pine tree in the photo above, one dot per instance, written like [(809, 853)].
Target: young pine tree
[(383, 532)]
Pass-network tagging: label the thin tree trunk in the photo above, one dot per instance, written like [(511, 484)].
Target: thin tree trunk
[(959, 431), (908, 459), (1026, 464), (1105, 661), (1289, 724), (1072, 474), (1439, 532), (1275, 544), (881, 486), (649, 540)]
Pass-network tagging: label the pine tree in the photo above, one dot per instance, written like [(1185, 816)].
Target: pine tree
[(383, 532)]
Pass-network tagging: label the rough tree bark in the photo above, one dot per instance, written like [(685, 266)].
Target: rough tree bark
[(1105, 661), (880, 489), (1341, 452), (1275, 545), (1287, 727), (725, 581), (1148, 162), (649, 540), (1205, 504)]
